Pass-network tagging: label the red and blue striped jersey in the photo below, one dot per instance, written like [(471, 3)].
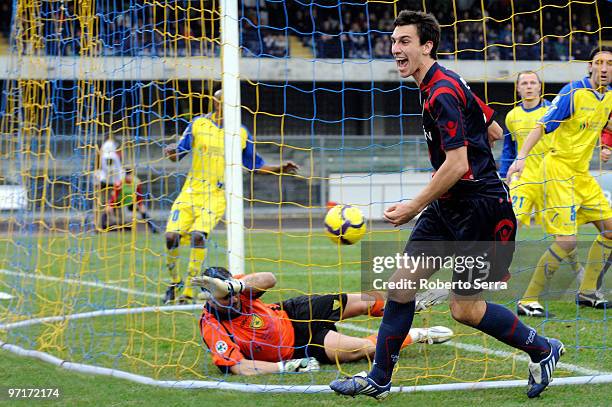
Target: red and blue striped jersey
[(454, 117)]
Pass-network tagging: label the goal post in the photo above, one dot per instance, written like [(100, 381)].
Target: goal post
[(230, 56)]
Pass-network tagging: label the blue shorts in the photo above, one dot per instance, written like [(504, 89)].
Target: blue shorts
[(468, 227)]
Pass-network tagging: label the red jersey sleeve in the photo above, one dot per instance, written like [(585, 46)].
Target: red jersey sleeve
[(225, 352), (486, 110), (606, 138)]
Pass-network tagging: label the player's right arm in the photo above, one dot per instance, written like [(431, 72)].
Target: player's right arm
[(449, 119), (176, 151), (558, 111)]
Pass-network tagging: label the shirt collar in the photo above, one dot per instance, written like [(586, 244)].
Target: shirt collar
[(587, 84), (539, 105), (425, 84)]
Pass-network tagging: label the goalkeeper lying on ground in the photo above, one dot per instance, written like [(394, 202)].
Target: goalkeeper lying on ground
[(247, 336)]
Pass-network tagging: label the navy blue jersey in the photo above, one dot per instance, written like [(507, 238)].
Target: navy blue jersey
[(454, 117)]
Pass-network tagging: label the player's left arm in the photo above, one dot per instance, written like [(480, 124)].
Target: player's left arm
[(254, 162), (494, 133), (253, 285), (258, 283), (494, 130)]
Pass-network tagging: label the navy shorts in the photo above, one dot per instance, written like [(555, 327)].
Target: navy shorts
[(468, 227)]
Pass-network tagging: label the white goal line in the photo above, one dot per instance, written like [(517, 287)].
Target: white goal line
[(592, 376)]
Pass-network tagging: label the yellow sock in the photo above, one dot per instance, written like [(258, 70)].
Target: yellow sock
[(171, 262), (196, 259), (572, 259), (547, 266), (598, 256)]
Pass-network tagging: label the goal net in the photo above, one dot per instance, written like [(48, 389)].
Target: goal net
[(95, 89)]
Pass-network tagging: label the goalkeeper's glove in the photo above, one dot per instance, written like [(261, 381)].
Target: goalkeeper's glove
[(219, 288), (299, 365)]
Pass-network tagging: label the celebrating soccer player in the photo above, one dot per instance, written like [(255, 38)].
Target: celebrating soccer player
[(578, 117), (248, 336), (464, 202), (201, 203)]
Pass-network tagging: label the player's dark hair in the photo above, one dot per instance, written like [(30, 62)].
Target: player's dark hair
[(518, 77), (428, 28), (218, 272), (599, 48), (129, 170)]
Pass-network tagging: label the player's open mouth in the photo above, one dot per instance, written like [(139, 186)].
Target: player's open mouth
[(401, 63)]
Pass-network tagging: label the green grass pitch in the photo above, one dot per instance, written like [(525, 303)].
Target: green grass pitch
[(166, 345)]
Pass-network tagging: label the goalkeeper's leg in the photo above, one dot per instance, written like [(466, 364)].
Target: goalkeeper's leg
[(341, 348)]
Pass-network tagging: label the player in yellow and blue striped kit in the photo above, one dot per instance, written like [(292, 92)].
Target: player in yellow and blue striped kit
[(573, 197), (201, 203), (526, 192)]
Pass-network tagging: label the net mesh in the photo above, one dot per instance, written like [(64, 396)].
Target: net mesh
[(81, 73)]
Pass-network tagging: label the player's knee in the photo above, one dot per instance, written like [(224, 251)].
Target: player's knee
[(463, 312), (607, 234), (172, 240), (198, 239), (567, 243), (366, 350), (401, 296), (362, 353)]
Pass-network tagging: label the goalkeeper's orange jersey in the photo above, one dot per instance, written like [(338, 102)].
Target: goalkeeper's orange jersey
[(259, 331)]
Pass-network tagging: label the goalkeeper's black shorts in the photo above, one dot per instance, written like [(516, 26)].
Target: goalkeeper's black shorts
[(313, 316)]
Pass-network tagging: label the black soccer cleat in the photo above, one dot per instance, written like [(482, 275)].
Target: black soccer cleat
[(540, 374), (595, 300), (185, 299), (171, 292), (360, 384), (532, 309)]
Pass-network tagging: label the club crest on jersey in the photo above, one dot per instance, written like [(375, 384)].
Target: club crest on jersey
[(221, 347), (451, 128), (257, 322), (336, 305)]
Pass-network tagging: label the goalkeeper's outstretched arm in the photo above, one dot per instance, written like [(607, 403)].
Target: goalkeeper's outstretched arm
[(258, 283), (252, 284), (247, 367)]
